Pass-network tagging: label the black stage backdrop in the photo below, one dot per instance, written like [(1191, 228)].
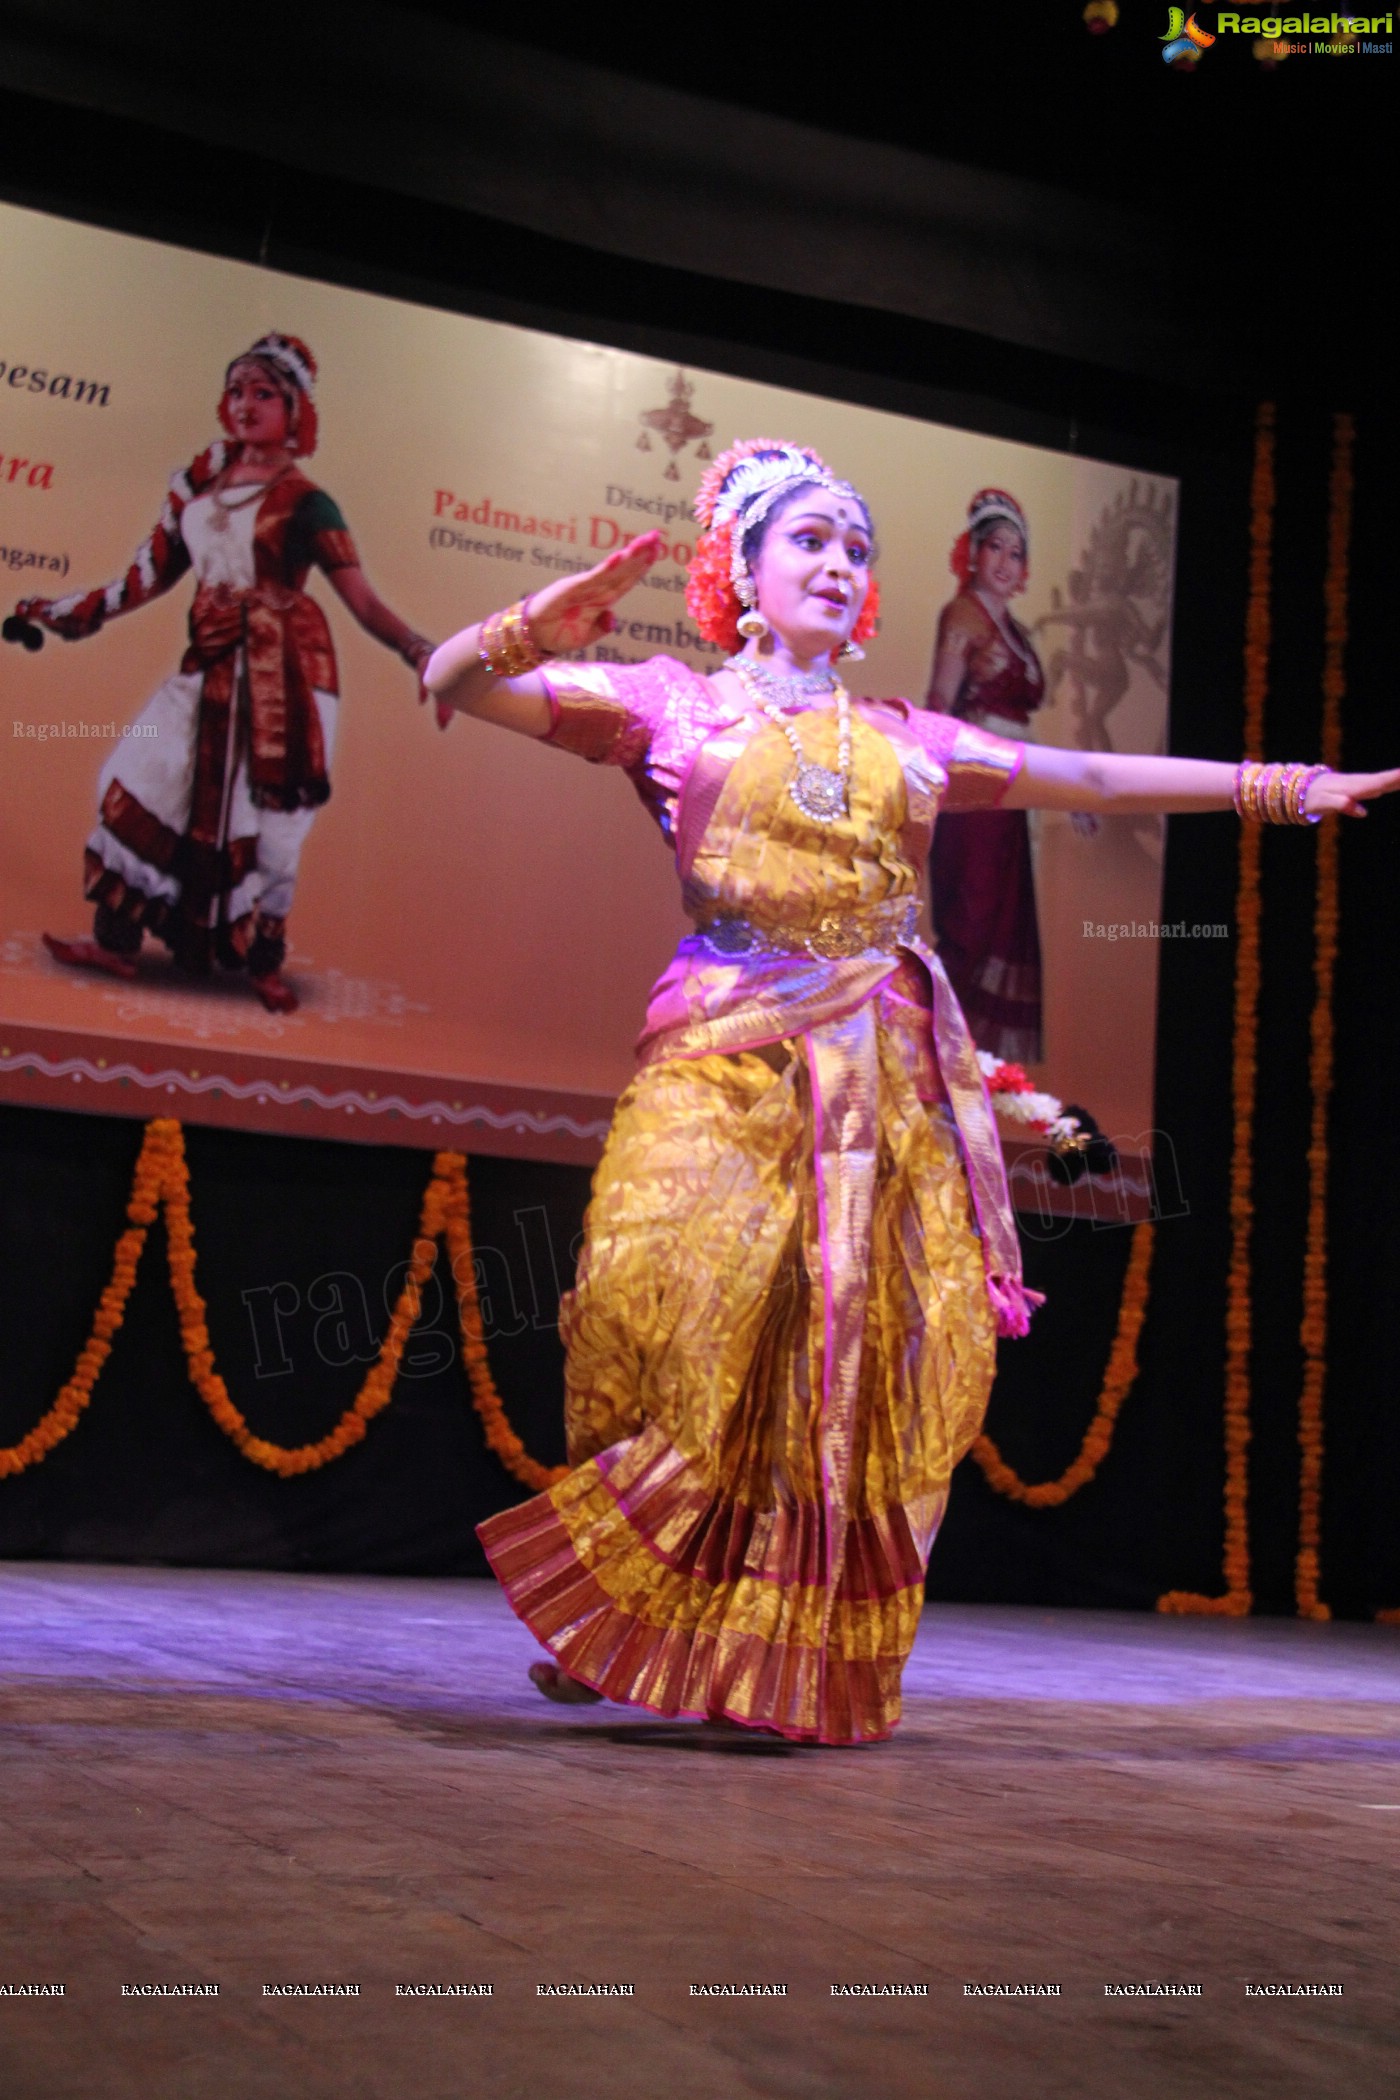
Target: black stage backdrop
[(147, 1475)]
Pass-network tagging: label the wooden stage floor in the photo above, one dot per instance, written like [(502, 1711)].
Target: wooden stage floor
[(262, 1780)]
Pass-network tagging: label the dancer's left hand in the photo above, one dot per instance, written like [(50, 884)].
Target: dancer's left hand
[(1346, 794)]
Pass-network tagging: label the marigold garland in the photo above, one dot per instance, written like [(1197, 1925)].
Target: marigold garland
[(64, 1415), (161, 1177), (376, 1392), (1237, 1600), (450, 1170), (1307, 1571), (1118, 1381)]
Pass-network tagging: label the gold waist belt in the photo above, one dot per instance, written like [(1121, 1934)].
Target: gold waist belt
[(868, 932)]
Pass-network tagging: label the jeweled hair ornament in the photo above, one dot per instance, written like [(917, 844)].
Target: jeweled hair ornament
[(291, 357), (991, 507), (745, 482)]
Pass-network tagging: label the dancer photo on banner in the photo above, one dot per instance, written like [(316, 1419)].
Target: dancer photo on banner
[(205, 804), (981, 874)]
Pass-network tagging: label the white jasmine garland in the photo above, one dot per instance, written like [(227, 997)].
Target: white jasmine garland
[(1022, 1104)]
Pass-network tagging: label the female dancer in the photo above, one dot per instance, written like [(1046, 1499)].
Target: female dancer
[(985, 670), (799, 1249), (204, 809)]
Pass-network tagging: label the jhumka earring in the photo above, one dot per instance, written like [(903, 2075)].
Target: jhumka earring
[(852, 652), (750, 623)]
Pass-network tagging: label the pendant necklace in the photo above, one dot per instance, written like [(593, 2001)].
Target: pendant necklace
[(219, 518), (819, 792)]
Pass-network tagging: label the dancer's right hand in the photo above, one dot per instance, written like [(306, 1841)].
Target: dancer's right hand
[(577, 610), (17, 629)]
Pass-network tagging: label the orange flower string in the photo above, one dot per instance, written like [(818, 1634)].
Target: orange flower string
[(1117, 1384), (161, 1178), (1237, 1600), (451, 1170), (67, 1409), (1307, 1571), (376, 1392)]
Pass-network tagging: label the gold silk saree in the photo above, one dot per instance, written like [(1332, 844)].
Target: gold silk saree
[(799, 1249)]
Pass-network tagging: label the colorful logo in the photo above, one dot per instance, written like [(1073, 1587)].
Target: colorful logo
[(1184, 38)]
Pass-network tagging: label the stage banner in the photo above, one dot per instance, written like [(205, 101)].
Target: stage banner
[(472, 921)]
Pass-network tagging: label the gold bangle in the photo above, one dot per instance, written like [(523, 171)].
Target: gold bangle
[(1308, 775), (1258, 797), (1290, 793), (517, 634), (1251, 807), (506, 646), (1263, 780), (1246, 773), (1274, 794)]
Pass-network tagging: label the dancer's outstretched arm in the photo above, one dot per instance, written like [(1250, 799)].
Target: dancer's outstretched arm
[(575, 611), (564, 616), (1124, 784), (355, 590)]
